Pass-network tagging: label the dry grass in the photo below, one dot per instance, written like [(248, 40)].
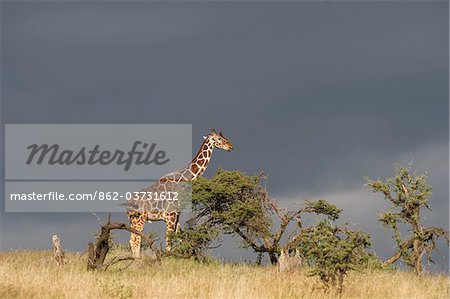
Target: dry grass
[(33, 274)]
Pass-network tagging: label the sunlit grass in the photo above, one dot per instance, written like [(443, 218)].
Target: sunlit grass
[(34, 274)]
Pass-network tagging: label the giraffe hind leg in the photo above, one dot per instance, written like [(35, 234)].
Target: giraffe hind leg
[(137, 222)]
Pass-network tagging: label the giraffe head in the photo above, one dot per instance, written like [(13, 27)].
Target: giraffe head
[(219, 141)]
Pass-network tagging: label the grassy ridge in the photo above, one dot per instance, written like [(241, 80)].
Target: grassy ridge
[(33, 274)]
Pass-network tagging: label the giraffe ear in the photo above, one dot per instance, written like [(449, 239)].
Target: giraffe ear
[(204, 137)]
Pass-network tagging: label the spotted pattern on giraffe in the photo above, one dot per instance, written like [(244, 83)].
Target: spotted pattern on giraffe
[(142, 211)]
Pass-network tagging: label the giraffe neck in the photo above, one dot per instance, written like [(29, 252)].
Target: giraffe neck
[(200, 162)]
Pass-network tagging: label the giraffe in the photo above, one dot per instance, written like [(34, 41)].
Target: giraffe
[(152, 209)]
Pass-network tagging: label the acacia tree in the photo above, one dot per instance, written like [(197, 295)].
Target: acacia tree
[(409, 194), (240, 205)]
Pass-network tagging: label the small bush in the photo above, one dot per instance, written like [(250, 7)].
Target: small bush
[(333, 251)]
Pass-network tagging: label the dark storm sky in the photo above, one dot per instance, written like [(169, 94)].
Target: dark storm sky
[(319, 95)]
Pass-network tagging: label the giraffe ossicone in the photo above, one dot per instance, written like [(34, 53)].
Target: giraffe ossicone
[(168, 210)]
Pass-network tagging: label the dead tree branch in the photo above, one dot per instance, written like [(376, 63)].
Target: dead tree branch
[(97, 253)]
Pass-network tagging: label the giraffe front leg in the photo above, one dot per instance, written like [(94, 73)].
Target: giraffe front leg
[(172, 225), (137, 222), (170, 228)]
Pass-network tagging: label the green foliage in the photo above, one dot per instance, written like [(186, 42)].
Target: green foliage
[(229, 201), (333, 251), (408, 193), (373, 262), (211, 197), (218, 206), (224, 185), (323, 207), (193, 241)]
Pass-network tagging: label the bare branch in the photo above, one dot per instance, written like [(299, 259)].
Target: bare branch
[(97, 254)]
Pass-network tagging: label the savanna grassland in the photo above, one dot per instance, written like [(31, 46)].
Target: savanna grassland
[(34, 274)]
